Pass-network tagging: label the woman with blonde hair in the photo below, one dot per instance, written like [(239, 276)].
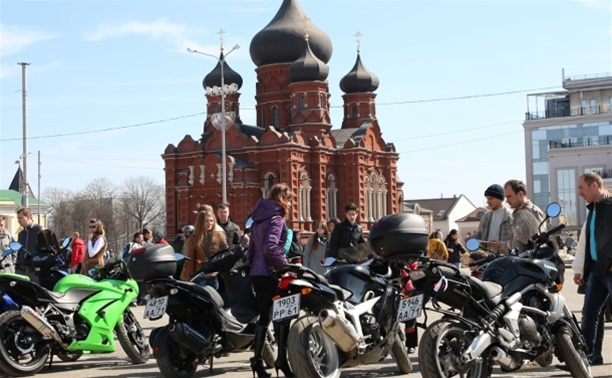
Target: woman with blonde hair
[(208, 239), (436, 248), (314, 252), (266, 250), (96, 246)]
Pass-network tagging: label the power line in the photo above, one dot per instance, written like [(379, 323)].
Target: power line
[(456, 131), (252, 109)]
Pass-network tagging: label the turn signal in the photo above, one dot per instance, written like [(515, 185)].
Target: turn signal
[(137, 251), (306, 290), (556, 288)]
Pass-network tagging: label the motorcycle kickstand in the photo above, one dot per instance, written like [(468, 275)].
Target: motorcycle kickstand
[(51, 361), (212, 357)]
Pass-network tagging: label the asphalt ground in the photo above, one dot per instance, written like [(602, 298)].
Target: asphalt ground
[(237, 365)]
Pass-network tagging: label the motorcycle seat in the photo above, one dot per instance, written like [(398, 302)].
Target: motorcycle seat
[(231, 324), (207, 291), (491, 290)]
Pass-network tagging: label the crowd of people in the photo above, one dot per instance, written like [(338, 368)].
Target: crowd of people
[(505, 227)]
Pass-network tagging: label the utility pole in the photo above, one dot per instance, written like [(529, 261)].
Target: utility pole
[(38, 198), (24, 95)]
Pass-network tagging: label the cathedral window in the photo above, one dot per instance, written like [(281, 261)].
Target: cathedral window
[(267, 184), (354, 112), (275, 120), (301, 102), (289, 114)]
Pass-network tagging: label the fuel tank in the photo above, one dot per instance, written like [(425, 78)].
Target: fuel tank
[(358, 280), (514, 273)]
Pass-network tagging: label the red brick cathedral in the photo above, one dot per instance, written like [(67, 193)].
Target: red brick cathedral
[(293, 141)]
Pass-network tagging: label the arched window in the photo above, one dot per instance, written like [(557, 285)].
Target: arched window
[(275, 121), (354, 112), (304, 198), (322, 100), (375, 197), (263, 118), (369, 200), (215, 109), (267, 184), (289, 119), (331, 200), (301, 102)]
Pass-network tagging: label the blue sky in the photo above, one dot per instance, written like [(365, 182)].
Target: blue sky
[(110, 84)]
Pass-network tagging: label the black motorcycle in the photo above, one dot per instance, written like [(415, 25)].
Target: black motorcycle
[(348, 317), (203, 324), (516, 313)]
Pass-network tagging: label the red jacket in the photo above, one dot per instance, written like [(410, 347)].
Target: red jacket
[(78, 251)]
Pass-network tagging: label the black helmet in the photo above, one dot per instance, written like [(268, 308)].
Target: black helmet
[(189, 228)]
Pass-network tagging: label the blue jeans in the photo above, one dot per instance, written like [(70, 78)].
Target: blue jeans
[(599, 287)]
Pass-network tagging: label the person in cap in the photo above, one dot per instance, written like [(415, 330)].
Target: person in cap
[(158, 237), (495, 227)]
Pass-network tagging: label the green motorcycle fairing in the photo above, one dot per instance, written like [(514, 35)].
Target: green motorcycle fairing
[(102, 310), (15, 275)]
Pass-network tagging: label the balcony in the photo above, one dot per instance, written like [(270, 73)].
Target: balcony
[(604, 140), (569, 112)]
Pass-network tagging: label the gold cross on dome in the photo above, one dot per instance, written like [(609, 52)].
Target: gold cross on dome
[(358, 37), (305, 19)]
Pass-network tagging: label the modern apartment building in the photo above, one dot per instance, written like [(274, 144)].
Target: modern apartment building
[(568, 133)]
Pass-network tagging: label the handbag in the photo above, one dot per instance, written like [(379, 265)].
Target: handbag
[(437, 254)]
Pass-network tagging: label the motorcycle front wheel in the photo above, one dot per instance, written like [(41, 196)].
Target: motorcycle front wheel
[(132, 338), (441, 347), (22, 349), (173, 360), (574, 357), (400, 353), (312, 353)]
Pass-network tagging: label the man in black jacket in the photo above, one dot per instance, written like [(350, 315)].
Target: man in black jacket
[(28, 238), (346, 236), (231, 229), (597, 263)]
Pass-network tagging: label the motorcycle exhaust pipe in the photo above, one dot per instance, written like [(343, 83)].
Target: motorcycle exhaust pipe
[(343, 334), (41, 325), (188, 337), (498, 355)]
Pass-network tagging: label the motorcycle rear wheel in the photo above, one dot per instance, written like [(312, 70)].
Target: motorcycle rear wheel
[(439, 350), (22, 349), (132, 338), (173, 360), (312, 353), (575, 358)]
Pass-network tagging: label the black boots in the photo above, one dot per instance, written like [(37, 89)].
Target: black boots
[(281, 362), (257, 364)]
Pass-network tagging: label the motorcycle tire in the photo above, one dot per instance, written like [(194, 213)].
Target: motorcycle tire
[(575, 358), (23, 351), (173, 360), (312, 353), (400, 353), (69, 357), (440, 348), (132, 338)]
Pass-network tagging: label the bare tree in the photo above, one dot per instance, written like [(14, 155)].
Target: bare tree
[(144, 201), (61, 219)]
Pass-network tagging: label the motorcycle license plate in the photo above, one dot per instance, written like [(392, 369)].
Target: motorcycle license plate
[(410, 308), (156, 307), (286, 307)]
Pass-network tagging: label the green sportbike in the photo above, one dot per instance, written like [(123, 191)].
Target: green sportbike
[(82, 314)]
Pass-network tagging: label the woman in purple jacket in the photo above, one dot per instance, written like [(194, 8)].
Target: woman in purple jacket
[(266, 250)]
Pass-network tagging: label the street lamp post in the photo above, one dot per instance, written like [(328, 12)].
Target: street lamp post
[(221, 123)]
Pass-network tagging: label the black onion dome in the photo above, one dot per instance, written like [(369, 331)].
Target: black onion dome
[(214, 77), (308, 67), (281, 41), (359, 79)]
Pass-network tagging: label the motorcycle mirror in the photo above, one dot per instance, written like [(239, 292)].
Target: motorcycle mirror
[(248, 223), (179, 256), (15, 246), (553, 210), (472, 244), (66, 242), (7, 252)]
